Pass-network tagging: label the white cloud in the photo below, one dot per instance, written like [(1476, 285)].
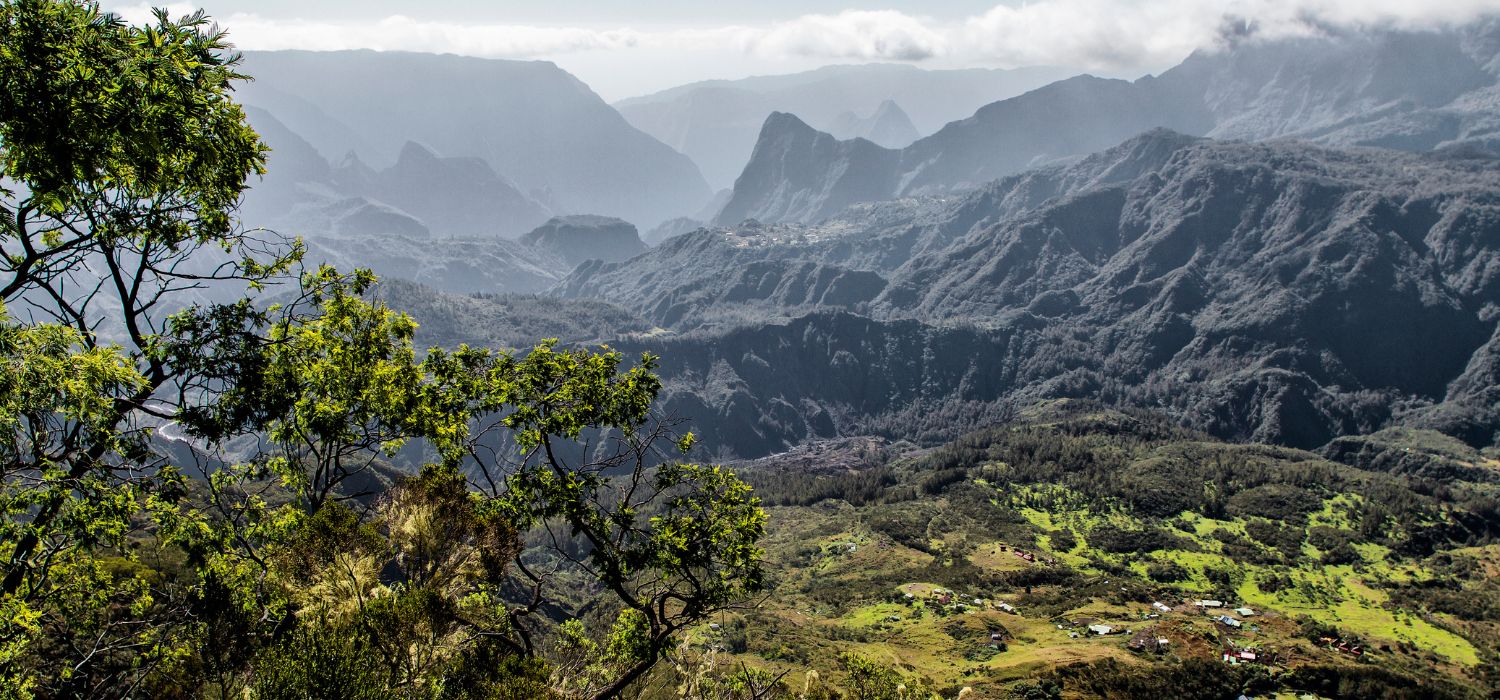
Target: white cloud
[(1098, 34), (402, 33), (882, 35), (1116, 33)]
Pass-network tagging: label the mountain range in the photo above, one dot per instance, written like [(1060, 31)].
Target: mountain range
[(1257, 250), (1395, 89), (715, 122), (526, 130), (1281, 292)]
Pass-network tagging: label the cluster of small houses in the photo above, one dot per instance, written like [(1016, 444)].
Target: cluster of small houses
[(1342, 645), (1149, 640), (961, 602), (1145, 640), (1028, 556), (1212, 606)]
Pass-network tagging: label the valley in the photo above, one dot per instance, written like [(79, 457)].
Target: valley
[(892, 355)]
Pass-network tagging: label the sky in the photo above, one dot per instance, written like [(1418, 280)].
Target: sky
[(623, 48)]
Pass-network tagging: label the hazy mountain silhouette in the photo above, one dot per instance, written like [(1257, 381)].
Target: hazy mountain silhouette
[(715, 122), (1408, 90), (530, 121), (888, 126), (582, 237)]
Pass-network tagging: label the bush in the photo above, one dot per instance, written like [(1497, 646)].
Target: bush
[(321, 663), (1148, 539), (1166, 571), (1064, 540), (1344, 553), (1281, 502)]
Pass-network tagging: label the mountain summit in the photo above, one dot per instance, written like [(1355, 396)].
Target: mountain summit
[(888, 126)]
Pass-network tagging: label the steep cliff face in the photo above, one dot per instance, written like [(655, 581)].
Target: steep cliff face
[(800, 174), (762, 389)]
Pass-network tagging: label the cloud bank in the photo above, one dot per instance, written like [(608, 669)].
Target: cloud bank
[(1096, 34)]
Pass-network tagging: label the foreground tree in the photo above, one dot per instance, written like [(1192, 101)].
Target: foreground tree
[(307, 564), (123, 156)]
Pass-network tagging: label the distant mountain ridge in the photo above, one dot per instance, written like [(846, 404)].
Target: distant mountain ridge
[(887, 127), (715, 122), (1407, 90), (530, 121), (583, 237)]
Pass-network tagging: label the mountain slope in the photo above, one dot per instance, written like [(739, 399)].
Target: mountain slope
[(531, 121), (800, 174), (701, 279)]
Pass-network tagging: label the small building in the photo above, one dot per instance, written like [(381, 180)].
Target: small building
[(1007, 607), (1228, 621), (1236, 656), (1349, 648), (1210, 603), (1161, 607), (1244, 612), (1102, 630)]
